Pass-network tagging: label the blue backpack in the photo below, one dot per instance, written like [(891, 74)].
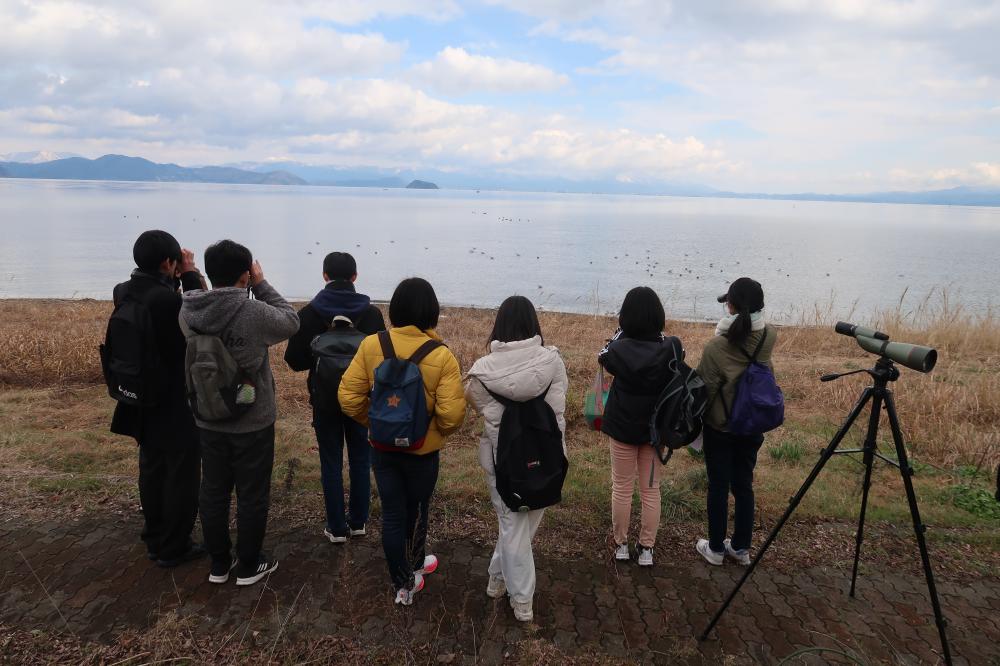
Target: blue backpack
[(397, 413), (758, 405)]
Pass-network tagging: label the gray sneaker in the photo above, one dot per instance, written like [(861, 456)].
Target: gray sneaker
[(741, 556), (710, 555)]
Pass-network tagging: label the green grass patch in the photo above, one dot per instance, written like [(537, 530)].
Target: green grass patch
[(788, 451), (83, 484), (976, 500)]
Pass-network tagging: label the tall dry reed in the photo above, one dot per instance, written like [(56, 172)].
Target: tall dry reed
[(950, 416)]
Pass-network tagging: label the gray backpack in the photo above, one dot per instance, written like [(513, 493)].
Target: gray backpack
[(218, 388)]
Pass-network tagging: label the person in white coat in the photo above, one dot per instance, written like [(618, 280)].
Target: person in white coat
[(519, 367)]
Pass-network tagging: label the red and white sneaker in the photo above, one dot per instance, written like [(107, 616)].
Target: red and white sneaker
[(404, 596), (430, 565)]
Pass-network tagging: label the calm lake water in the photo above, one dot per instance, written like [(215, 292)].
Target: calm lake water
[(568, 252)]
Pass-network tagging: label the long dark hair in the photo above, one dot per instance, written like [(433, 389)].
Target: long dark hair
[(516, 320), (642, 316), (746, 296)]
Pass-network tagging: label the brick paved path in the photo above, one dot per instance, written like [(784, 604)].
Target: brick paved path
[(101, 582)]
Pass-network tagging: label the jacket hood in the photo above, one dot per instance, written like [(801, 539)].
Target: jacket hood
[(339, 298), (209, 311), (643, 363), (517, 370)]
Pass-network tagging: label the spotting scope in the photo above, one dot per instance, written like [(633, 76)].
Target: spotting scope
[(914, 357)]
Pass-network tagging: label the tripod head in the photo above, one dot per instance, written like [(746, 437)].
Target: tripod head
[(884, 371)]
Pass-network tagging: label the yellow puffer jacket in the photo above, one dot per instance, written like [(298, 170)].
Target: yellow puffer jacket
[(442, 383)]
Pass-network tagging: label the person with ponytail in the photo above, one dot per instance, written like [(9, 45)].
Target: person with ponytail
[(729, 458)]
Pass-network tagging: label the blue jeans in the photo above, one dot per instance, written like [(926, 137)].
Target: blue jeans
[(730, 461), (332, 430), (405, 484)]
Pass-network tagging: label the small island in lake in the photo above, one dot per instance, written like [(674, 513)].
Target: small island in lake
[(421, 185)]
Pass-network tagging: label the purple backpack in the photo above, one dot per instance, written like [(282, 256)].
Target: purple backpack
[(759, 405)]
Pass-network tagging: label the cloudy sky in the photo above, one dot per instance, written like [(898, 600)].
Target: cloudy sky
[(762, 95)]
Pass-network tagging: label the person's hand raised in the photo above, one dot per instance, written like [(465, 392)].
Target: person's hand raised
[(256, 273), (187, 263)]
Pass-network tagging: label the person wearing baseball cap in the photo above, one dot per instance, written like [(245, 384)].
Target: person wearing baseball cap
[(730, 458)]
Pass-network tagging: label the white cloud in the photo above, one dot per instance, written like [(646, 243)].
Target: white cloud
[(828, 88), (456, 71), (781, 95)]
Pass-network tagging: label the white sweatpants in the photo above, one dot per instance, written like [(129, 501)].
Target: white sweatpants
[(512, 556)]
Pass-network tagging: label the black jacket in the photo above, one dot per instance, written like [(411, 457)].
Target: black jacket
[(641, 371), (169, 424), (337, 298)]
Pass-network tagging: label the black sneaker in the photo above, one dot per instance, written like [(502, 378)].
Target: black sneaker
[(248, 576), (220, 571), (194, 552)]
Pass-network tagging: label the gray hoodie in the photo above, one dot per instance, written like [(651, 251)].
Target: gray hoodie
[(251, 326)]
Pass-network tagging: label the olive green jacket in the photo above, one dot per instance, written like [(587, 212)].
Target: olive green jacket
[(722, 364)]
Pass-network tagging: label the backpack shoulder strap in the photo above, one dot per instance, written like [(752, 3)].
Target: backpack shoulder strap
[(386, 342), (506, 402), (423, 350), (675, 344), (760, 345)]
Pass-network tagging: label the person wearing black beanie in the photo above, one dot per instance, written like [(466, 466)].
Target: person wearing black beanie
[(169, 454)]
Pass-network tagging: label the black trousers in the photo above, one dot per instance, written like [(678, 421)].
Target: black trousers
[(244, 462), (405, 484), (168, 491), (730, 461)]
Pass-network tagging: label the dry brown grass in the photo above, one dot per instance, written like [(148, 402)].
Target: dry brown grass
[(56, 451), (951, 416)]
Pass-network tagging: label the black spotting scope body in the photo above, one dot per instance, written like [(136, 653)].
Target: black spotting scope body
[(914, 357)]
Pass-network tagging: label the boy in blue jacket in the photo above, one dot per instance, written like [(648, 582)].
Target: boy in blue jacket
[(337, 299)]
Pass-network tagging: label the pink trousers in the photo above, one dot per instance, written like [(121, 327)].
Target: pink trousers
[(630, 463)]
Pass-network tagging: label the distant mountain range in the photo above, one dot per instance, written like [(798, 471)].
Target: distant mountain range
[(120, 167)]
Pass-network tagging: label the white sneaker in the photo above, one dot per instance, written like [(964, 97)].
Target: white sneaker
[(361, 531), (645, 557), (404, 596), (621, 552), (496, 588), (430, 565), (741, 556), (333, 537), (522, 611), (710, 556)]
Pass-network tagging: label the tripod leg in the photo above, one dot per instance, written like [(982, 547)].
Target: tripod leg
[(871, 442), (918, 526), (792, 504)]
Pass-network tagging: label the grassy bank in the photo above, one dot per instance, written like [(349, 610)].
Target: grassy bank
[(56, 452)]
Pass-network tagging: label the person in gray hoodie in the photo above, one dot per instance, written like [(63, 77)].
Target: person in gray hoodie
[(240, 452)]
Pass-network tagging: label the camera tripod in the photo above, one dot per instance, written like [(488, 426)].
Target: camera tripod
[(881, 398)]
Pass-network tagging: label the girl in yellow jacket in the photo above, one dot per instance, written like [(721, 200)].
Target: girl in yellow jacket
[(406, 479)]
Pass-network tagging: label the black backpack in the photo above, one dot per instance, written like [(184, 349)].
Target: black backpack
[(332, 350), (530, 464), (130, 358), (677, 416)]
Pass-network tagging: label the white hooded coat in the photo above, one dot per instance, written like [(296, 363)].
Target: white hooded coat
[(519, 371)]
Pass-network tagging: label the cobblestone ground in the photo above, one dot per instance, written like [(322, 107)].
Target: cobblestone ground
[(94, 578)]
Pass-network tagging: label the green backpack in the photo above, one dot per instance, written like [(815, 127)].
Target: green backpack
[(218, 388)]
